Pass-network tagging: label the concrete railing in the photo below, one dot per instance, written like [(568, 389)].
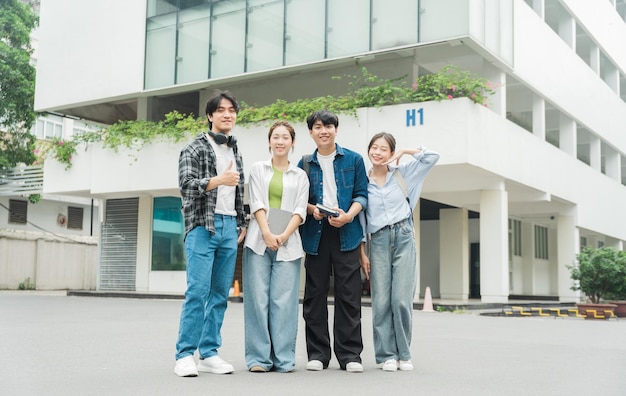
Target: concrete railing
[(47, 262)]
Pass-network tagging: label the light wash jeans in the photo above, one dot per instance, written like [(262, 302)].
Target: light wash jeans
[(210, 270), (392, 282), (270, 303)]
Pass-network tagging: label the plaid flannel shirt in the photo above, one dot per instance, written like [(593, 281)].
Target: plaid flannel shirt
[(196, 166)]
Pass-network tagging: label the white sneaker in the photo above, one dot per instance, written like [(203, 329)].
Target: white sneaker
[(315, 365), (186, 367), (390, 365), (405, 365), (215, 365), (354, 367)]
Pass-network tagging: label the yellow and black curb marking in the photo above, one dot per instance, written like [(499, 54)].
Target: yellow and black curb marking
[(520, 311)]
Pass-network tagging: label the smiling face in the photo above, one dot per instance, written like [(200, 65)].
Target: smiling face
[(224, 117), (324, 137), (379, 151), (281, 141)]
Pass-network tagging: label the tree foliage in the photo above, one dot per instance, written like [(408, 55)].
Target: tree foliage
[(600, 273), (17, 83)]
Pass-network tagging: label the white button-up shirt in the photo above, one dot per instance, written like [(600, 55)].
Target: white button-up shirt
[(295, 198)]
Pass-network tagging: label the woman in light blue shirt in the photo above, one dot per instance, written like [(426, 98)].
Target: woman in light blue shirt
[(393, 192), (279, 192)]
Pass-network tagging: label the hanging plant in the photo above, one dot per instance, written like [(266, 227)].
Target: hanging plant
[(366, 90)]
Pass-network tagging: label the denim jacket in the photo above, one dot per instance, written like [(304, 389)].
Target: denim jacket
[(351, 182)]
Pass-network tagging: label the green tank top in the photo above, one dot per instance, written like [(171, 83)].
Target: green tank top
[(276, 189)]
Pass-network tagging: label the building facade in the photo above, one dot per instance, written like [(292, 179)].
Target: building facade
[(521, 185)]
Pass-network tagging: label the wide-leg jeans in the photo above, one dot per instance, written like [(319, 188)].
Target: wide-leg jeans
[(392, 282), (271, 301), (210, 269), (346, 270)]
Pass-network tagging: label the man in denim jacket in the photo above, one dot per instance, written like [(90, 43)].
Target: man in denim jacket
[(337, 180)]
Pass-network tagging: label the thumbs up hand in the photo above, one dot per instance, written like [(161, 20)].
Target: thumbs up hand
[(230, 177)]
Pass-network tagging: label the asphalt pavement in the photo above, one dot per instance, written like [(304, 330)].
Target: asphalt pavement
[(53, 344)]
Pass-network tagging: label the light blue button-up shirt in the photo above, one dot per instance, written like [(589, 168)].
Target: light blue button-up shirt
[(387, 204)]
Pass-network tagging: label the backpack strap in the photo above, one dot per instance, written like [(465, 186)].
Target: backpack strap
[(306, 166), (402, 184)]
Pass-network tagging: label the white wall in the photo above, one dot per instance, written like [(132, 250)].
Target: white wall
[(42, 216), (478, 148), (111, 38), (541, 56)]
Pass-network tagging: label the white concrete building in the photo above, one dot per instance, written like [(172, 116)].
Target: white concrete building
[(51, 244), (521, 185)]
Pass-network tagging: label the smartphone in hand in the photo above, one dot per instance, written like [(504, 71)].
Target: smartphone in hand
[(327, 211)]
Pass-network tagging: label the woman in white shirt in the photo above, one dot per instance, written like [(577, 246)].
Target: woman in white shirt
[(271, 258), (393, 192)]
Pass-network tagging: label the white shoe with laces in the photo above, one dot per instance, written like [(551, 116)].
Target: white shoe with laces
[(215, 365), (390, 365), (186, 367)]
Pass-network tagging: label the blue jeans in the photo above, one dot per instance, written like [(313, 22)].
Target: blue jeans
[(270, 302), (392, 282), (210, 270)]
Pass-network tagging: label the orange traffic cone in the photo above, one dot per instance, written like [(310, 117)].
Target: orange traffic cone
[(236, 290), (428, 301)]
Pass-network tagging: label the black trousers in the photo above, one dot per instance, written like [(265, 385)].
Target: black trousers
[(346, 269)]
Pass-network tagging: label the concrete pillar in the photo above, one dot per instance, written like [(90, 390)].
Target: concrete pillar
[(595, 152), (567, 135), (494, 246), (539, 117), (594, 59), (613, 165), (567, 29), (454, 254), (143, 108), (417, 227), (567, 247), (144, 244), (612, 78)]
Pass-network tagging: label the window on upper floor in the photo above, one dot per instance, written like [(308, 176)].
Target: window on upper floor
[(620, 7), (18, 211), (46, 128)]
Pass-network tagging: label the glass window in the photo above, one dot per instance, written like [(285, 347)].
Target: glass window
[(168, 230), (228, 38), (193, 44), (304, 41), (348, 38), (264, 48), (160, 7), (541, 242), (40, 128), (396, 25), (515, 227), (160, 51), (444, 19)]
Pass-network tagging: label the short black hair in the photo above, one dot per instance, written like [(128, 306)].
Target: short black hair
[(325, 116), (214, 102)]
